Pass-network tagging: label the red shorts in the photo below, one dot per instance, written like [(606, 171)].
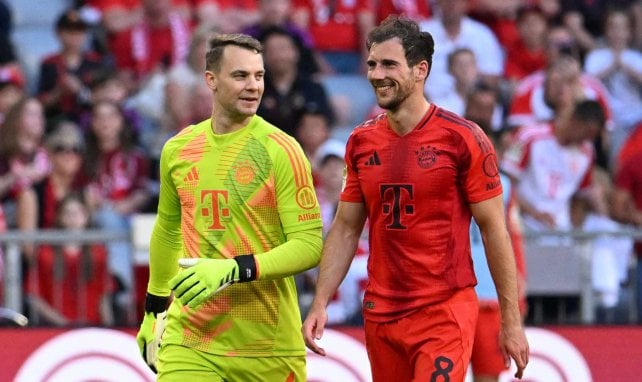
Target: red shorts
[(487, 358), (431, 344)]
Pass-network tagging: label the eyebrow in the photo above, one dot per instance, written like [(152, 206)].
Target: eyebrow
[(245, 72), (385, 61)]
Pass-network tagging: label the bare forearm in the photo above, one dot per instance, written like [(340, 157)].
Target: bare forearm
[(501, 263), (338, 252)]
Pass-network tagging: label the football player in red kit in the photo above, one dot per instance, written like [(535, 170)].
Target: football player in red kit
[(418, 173)]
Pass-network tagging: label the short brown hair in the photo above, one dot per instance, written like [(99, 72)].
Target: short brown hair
[(218, 43), (417, 44)]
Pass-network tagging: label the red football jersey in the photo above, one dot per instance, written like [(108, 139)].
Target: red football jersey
[(417, 189)]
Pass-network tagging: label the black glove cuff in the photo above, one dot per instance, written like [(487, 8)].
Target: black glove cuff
[(156, 304), (247, 267)]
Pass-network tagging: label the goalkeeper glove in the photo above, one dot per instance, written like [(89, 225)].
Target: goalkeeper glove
[(202, 278), (152, 328)]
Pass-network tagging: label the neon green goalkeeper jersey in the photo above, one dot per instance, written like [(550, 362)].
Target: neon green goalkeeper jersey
[(246, 192)]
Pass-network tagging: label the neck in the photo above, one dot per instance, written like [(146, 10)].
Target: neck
[(283, 80), (404, 119), (223, 123), (61, 183), (109, 145), (72, 57)]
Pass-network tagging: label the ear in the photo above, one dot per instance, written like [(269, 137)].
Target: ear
[(211, 80), (421, 71)]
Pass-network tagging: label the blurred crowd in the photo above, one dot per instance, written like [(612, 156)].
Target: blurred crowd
[(557, 82)]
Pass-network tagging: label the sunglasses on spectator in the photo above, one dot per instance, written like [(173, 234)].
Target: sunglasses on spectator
[(67, 149)]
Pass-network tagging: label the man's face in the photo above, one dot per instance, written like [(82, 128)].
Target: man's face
[(238, 86), (562, 84), (280, 53), (464, 68), (389, 74)]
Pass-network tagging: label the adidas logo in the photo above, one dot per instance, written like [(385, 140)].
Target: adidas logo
[(373, 160)]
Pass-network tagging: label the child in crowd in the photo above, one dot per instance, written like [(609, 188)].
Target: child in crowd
[(69, 284)]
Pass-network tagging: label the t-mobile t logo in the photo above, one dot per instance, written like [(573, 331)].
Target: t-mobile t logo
[(395, 198), (214, 204)]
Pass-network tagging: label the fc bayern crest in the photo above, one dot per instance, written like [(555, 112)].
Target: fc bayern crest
[(426, 156)]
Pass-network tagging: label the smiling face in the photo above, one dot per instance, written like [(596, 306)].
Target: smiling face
[(389, 74), (238, 84)]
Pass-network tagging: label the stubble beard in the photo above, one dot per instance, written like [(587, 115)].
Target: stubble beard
[(401, 94)]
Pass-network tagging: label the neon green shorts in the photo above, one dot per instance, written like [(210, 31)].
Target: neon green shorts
[(179, 363)]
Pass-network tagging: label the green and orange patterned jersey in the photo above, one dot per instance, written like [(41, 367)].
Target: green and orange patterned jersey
[(246, 192)]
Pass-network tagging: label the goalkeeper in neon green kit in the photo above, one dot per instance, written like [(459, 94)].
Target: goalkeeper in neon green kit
[(237, 218)]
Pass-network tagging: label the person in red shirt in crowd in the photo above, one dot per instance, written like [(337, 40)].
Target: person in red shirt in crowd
[(118, 187), (418, 173), (120, 15), (38, 203), (228, 16), (158, 42), (500, 16), (23, 158), (65, 76), (528, 53), (339, 29), (69, 284), (413, 9)]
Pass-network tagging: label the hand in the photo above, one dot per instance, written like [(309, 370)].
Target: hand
[(313, 328), (514, 345), (202, 278), (149, 337)]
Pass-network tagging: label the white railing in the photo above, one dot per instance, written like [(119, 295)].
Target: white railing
[(558, 263)]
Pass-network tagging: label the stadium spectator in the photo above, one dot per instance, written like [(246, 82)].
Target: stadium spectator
[(65, 76), (37, 204), (69, 284), (610, 255), (182, 80), (619, 68), (228, 16), (288, 92), (110, 87), (452, 28), (462, 66), (500, 16), (417, 10), (585, 19), (542, 97), (120, 15), (313, 130), (551, 162), (339, 30), (118, 175), (23, 159), (277, 13), (527, 54), (158, 42)]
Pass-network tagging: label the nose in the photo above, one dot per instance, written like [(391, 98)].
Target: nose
[(253, 83)]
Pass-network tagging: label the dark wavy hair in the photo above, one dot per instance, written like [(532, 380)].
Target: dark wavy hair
[(417, 45)]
